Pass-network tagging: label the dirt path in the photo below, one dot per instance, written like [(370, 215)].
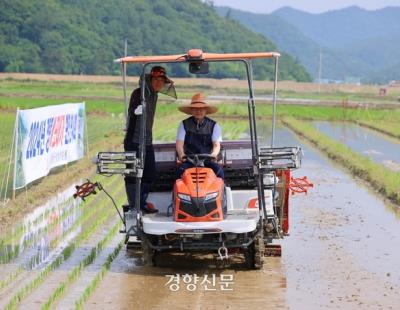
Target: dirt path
[(212, 83)]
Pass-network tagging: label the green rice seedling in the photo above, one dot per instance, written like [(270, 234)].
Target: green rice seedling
[(94, 207), (66, 253), (57, 88), (99, 276), (233, 129), (11, 277), (75, 273), (96, 106), (15, 234)]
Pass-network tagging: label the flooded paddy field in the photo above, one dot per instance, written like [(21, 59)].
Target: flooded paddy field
[(52, 245), (343, 247), (33, 239), (378, 147), (342, 252)]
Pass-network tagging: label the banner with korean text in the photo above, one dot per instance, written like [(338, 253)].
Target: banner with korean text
[(46, 138)]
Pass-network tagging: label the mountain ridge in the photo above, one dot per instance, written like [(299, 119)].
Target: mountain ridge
[(345, 53)]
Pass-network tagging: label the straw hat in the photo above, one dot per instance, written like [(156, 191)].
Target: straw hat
[(198, 101)]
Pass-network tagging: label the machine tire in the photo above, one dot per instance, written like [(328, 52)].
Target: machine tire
[(154, 258), (254, 254), (147, 252), (249, 257), (259, 249), (224, 204)]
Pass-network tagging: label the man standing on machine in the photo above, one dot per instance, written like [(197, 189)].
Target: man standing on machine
[(155, 82), (198, 134)]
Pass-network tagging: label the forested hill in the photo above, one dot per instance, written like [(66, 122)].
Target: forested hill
[(83, 37)]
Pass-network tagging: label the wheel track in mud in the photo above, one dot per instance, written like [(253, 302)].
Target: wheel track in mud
[(142, 287)]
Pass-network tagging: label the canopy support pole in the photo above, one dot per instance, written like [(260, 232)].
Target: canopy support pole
[(274, 102), (123, 71)]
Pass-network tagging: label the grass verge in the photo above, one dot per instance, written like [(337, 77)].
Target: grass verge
[(391, 129)]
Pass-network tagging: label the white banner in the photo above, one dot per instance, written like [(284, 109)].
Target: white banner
[(46, 138)]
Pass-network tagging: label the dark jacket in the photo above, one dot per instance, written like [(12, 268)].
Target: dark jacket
[(198, 137), (133, 130)]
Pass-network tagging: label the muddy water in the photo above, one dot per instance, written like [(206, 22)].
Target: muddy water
[(343, 252), (136, 287), (381, 149)]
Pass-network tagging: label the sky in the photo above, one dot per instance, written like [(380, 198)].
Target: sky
[(312, 6)]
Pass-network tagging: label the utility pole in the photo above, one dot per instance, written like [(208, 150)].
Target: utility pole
[(319, 70)]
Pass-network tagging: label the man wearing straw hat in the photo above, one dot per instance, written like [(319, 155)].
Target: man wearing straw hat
[(157, 81), (198, 134)]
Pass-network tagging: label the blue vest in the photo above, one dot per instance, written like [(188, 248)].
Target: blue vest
[(198, 138)]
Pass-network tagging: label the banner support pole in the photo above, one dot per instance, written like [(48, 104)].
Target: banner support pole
[(6, 176), (86, 133), (15, 153)]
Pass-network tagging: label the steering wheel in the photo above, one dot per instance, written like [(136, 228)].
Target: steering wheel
[(198, 159)]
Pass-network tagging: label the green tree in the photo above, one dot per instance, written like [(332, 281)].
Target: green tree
[(72, 36)]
